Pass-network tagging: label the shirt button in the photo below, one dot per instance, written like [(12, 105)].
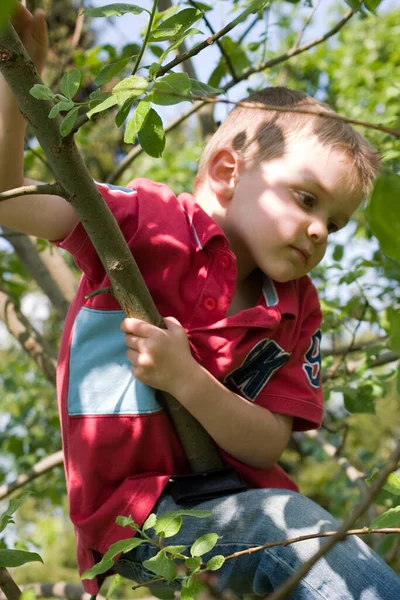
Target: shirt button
[(224, 261), (210, 303)]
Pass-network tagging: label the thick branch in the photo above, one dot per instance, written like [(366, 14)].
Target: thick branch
[(391, 465), (42, 467), (8, 586), (80, 190), (29, 338)]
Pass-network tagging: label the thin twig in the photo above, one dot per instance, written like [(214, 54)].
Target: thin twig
[(306, 24), (137, 150), (205, 44), (226, 56), (42, 467), (312, 536), (27, 190), (146, 37)]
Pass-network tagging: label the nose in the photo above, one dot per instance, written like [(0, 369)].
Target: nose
[(317, 230)]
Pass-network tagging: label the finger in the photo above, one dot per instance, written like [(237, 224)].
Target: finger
[(172, 323), (39, 27), (21, 18), (133, 357), (138, 327), (132, 341)]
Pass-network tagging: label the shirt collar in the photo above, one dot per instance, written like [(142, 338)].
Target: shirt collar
[(282, 295), (203, 227)]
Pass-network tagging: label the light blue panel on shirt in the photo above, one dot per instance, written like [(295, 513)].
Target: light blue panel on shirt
[(100, 379)]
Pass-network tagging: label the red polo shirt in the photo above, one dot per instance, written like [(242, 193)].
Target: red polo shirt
[(120, 448)]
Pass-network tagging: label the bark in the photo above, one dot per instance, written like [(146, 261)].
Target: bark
[(47, 268), (29, 338), (79, 189)]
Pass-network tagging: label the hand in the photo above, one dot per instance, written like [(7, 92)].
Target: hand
[(160, 358), (32, 30)]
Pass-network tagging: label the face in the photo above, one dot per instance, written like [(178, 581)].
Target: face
[(281, 213)]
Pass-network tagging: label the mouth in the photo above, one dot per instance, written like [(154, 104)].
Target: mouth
[(302, 253)]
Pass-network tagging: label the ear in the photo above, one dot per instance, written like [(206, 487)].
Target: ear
[(223, 173)]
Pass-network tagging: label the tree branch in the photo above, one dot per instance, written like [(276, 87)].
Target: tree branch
[(60, 589), (391, 465), (225, 55), (48, 269), (8, 586), (42, 467), (79, 189), (45, 188), (137, 150), (29, 338)]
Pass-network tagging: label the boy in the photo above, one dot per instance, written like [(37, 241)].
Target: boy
[(241, 349)]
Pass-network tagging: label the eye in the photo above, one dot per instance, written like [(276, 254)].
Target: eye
[(332, 228), (306, 199)]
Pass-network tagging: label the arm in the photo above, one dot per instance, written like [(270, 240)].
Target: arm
[(46, 216), (162, 359)]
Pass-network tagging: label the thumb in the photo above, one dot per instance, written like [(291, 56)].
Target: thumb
[(172, 323)]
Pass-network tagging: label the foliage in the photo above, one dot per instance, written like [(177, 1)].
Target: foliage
[(168, 562)]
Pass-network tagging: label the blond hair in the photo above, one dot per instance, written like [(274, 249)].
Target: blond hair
[(259, 134)]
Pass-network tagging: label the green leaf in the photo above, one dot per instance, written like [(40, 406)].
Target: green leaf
[(398, 380), (338, 252), (16, 558), (175, 26), (215, 562), (174, 550), (70, 83), (131, 87), (41, 92), (169, 89), (102, 567), (68, 122), (393, 316), (60, 107), (161, 565), (107, 103), (178, 42), (204, 544), (390, 518), (5, 10), (360, 400), (28, 595), (190, 588), (167, 527), (203, 89), (383, 214), (152, 140), (391, 485), (372, 5), (112, 70), (151, 519), (124, 111), (127, 522), (163, 594), (193, 564), (114, 10), (13, 506)]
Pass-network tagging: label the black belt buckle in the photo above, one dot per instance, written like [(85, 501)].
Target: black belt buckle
[(198, 487)]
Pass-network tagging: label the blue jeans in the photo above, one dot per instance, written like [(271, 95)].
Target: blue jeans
[(351, 570)]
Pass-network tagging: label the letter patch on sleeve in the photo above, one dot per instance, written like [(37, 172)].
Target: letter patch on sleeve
[(312, 364), (257, 369)]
